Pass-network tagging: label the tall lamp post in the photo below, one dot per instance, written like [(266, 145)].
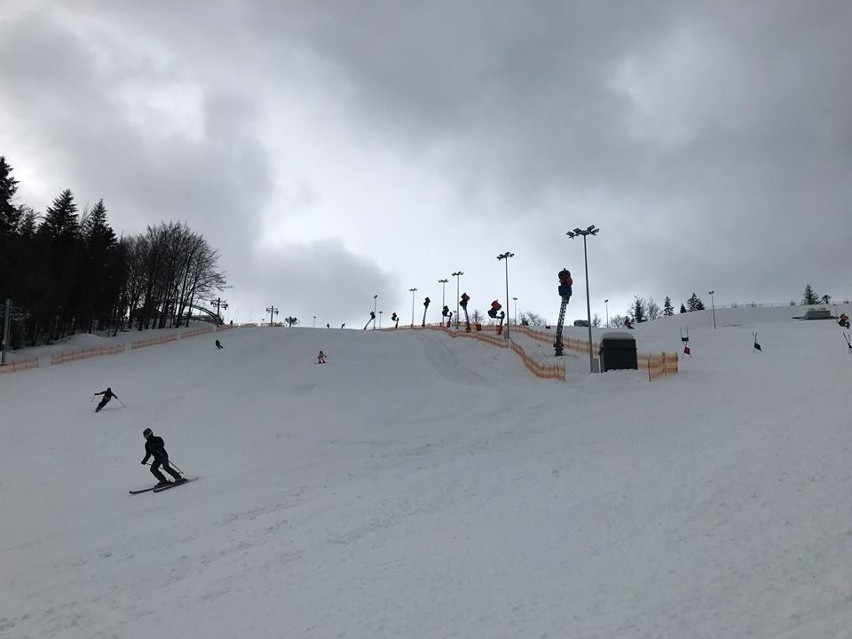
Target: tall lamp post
[(315, 322), (375, 297), (443, 284), (606, 305), (713, 304), (380, 320), (457, 275), (592, 230), (516, 310), (412, 291), (506, 256)]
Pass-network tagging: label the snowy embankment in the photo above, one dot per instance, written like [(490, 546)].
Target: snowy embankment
[(421, 486)]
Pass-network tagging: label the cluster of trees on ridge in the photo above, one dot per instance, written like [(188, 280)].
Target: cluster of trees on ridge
[(68, 272)]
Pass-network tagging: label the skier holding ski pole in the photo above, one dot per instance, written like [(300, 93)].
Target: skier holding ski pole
[(156, 448), (107, 395)]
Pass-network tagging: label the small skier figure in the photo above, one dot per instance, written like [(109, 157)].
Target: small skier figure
[(156, 448), (628, 323), (844, 320), (107, 395), (219, 344), (321, 358)]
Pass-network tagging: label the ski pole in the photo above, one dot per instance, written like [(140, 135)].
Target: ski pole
[(93, 398), (121, 402)]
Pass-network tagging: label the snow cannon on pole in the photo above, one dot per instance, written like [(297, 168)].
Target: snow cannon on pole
[(465, 298), (565, 291), (495, 313)]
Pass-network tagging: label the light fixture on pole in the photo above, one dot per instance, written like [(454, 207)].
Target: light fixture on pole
[(606, 304), (713, 304), (457, 275), (443, 284), (315, 322), (592, 230), (412, 291), (516, 310), (506, 256)]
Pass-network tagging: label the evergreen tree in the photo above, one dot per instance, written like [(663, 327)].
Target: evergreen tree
[(60, 238), (810, 297), (9, 223), (668, 310), (638, 310), (10, 215), (694, 303), (682, 308), (100, 287)]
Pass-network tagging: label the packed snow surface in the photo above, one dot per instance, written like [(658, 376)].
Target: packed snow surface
[(418, 485)]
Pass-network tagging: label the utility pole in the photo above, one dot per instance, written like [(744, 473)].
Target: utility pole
[(272, 311), (220, 303)]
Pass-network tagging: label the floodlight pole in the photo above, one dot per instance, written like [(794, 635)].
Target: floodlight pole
[(443, 284), (516, 310), (375, 298), (606, 304), (315, 322), (457, 275), (713, 304), (592, 230), (506, 256), (412, 291)]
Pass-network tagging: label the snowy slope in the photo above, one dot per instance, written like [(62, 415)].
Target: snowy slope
[(423, 486)]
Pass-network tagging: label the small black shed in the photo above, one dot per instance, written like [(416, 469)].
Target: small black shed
[(618, 352)]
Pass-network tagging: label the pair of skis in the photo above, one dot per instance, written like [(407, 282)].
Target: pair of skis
[(158, 488)]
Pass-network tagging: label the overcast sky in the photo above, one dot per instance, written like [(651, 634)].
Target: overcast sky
[(336, 150)]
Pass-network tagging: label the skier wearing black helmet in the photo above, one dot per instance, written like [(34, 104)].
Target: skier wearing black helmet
[(107, 395), (156, 448)]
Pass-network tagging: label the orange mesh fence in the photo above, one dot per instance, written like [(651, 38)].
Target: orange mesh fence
[(162, 339), (73, 356), (542, 371), (197, 331), (17, 366), (658, 366)]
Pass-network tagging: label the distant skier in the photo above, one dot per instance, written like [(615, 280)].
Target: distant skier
[(107, 395), (628, 323), (321, 358), (844, 320), (156, 448), (219, 344)]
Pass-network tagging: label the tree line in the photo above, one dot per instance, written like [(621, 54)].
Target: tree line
[(68, 272)]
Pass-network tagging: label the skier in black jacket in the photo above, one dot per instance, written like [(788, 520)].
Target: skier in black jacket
[(156, 448), (107, 395)]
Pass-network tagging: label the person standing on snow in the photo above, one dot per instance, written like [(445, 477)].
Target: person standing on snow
[(321, 358), (156, 448), (107, 395), (219, 344)]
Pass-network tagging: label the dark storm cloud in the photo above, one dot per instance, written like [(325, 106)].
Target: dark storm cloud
[(710, 141)]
